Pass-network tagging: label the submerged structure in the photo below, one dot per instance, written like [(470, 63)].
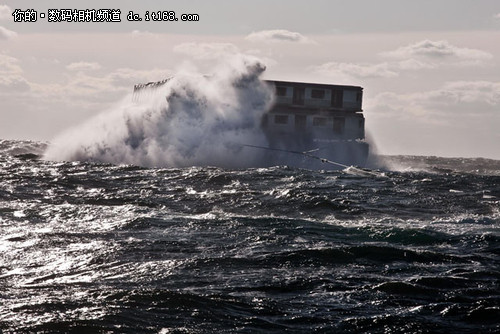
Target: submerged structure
[(320, 120), (310, 124)]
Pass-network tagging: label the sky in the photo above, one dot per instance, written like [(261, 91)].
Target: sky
[(430, 69)]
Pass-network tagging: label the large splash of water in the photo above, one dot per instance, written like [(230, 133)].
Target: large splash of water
[(192, 119)]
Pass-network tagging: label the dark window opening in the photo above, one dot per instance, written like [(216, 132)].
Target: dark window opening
[(281, 91), (338, 125), (280, 119), (298, 95), (318, 94), (337, 98), (360, 123), (300, 122), (319, 121)]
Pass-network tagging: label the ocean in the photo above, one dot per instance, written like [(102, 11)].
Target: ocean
[(89, 247)]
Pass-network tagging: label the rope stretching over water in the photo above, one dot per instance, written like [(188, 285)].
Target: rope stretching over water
[(323, 160)]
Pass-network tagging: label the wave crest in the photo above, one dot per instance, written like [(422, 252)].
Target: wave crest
[(192, 119)]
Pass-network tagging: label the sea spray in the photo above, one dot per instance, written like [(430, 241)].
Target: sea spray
[(192, 119)]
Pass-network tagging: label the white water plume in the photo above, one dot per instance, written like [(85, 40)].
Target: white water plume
[(192, 119)]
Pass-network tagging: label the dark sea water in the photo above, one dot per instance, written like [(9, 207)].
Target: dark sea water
[(98, 248)]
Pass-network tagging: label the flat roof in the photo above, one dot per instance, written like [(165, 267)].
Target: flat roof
[(311, 84)]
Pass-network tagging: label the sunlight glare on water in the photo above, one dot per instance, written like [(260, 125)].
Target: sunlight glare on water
[(90, 247)]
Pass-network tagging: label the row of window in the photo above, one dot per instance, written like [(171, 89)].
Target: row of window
[(280, 91), (338, 122), (317, 121), (320, 94), (315, 93)]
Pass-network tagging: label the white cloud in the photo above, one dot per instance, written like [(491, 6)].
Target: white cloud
[(84, 87), (437, 50), (422, 55), (6, 34), (5, 12), (459, 119), (11, 79), (497, 16), (83, 66), (279, 35), (14, 83), (127, 77), (414, 65), (9, 65), (107, 88), (458, 98), (142, 34), (398, 106), (360, 71), (474, 91), (206, 50)]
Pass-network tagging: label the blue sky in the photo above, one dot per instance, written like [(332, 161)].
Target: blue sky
[(430, 69)]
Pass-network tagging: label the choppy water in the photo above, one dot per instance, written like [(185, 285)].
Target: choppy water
[(88, 247)]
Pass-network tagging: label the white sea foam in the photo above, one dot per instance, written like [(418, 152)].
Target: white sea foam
[(193, 119)]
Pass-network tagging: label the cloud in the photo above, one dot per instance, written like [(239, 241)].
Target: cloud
[(127, 77), (206, 50), (5, 12), (423, 55), (14, 83), (360, 71), (83, 66), (497, 16), (474, 91), (82, 86), (349, 71), (9, 65), (279, 35), (457, 98), (142, 34), (88, 89), (414, 65), (437, 50), (11, 79), (458, 119), (7, 34)]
